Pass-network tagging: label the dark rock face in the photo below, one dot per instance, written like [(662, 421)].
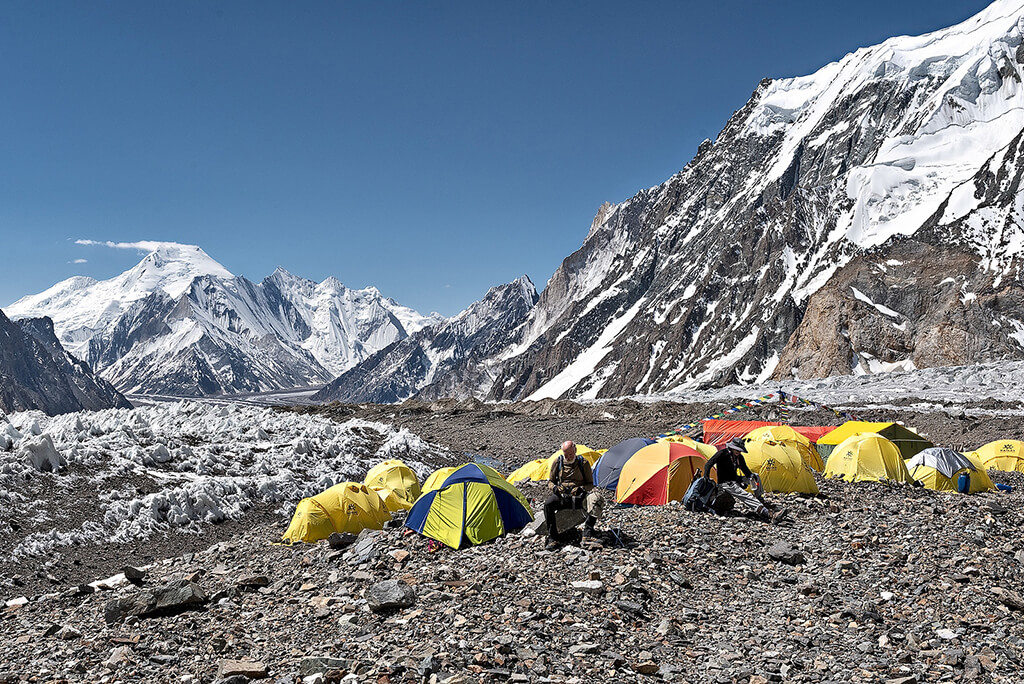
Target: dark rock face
[(950, 295), (37, 373), (704, 280), (451, 359)]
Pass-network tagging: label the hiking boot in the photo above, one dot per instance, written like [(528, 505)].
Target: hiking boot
[(552, 545), (588, 532), (778, 516)]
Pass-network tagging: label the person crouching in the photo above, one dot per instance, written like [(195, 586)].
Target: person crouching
[(733, 476), (572, 486)]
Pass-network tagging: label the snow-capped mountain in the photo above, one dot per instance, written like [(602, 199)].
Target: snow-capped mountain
[(179, 323), (449, 359), (865, 217), (37, 373)]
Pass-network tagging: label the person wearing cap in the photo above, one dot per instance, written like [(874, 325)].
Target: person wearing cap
[(734, 474), (572, 486)]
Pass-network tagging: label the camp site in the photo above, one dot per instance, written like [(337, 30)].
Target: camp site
[(408, 543)]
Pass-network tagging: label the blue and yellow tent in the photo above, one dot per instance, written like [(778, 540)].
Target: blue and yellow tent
[(474, 504)]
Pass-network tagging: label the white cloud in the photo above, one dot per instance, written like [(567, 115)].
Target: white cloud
[(143, 245), (79, 261)]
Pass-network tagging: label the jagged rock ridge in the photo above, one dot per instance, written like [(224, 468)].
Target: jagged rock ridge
[(37, 373), (443, 360)]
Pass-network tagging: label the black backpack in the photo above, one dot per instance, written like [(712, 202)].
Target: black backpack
[(704, 496)]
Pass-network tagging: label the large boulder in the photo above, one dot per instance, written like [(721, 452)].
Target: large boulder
[(169, 599)]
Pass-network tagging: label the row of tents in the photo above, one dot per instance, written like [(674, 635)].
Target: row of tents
[(474, 503)]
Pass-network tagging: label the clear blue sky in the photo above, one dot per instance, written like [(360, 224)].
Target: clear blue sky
[(432, 149)]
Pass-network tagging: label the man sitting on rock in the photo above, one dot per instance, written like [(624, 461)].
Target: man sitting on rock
[(734, 474), (572, 485)]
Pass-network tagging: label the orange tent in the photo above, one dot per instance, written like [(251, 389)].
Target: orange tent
[(718, 431), (657, 474)]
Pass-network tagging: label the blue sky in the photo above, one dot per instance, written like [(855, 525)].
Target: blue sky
[(431, 149)]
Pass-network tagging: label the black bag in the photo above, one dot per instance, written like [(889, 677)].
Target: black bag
[(701, 495)]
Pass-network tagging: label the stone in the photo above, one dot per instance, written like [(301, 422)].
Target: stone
[(133, 574), (341, 540), (786, 552), (589, 586), (367, 547), (250, 670), (253, 581), (69, 634), (169, 599), (1010, 599), (390, 595), (319, 665)]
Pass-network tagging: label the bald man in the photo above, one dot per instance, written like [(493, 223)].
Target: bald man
[(572, 486)]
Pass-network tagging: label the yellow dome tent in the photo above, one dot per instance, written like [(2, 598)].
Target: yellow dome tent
[(540, 469), (345, 507), (940, 469), (867, 458), (781, 466), (534, 470), (906, 441), (782, 434), (435, 479), (775, 433), (1003, 454), (395, 483), (472, 505), (705, 450)]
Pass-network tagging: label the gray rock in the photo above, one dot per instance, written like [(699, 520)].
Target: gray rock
[(317, 665), (786, 552), (390, 595), (170, 599), (367, 547)]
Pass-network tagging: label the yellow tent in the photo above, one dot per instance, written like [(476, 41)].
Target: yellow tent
[(435, 479), (472, 505), (781, 466), (803, 445), (540, 469), (705, 450), (534, 470), (867, 458), (907, 441), (345, 507), (1003, 454), (396, 484), (940, 469), (775, 433)]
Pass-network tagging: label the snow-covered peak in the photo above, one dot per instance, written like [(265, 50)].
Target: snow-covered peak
[(171, 267), (80, 306)]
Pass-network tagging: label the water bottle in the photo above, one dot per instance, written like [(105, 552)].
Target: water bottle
[(963, 483)]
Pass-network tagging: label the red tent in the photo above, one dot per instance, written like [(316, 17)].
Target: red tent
[(718, 431)]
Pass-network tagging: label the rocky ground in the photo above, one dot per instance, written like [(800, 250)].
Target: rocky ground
[(868, 583)]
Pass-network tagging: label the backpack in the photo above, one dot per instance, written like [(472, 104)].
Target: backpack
[(701, 495)]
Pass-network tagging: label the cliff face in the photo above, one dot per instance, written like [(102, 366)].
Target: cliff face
[(37, 373), (894, 172)]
